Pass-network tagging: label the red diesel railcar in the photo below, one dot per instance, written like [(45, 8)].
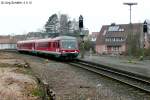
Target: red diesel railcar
[(59, 47)]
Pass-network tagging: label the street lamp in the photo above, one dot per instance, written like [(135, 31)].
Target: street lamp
[(130, 4), (129, 37), (81, 35)]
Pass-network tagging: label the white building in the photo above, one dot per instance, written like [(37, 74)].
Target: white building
[(6, 42)]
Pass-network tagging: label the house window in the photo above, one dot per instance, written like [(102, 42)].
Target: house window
[(113, 28), (104, 32)]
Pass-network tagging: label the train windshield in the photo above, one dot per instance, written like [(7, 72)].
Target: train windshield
[(69, 44)]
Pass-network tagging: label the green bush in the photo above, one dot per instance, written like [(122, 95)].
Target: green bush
[(37, 92), (141, 58), (147, 52)]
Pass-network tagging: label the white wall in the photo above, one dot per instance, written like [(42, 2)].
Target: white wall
[(7, 46)]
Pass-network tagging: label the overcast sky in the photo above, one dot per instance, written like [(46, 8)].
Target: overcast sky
[(23, 18)]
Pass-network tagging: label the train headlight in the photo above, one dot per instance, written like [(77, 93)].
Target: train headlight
[(63, 51), (76, 51)]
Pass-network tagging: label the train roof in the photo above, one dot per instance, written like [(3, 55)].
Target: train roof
[(26, 41), (64, 37), (49, 39)]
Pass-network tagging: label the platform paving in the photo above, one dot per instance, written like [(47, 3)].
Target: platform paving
[(136, 66)]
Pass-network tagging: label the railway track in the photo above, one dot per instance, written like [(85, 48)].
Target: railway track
[(131, 79)]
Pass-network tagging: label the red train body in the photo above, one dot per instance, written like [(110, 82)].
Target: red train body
[(59, 47)]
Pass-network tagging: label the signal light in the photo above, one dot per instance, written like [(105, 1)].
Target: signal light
[(145, 27), (80, 21)]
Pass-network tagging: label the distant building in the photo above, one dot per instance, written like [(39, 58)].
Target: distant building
[(112, 39), (9, 42)]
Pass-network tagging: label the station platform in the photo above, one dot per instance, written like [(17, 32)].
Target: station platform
[(137, 67)]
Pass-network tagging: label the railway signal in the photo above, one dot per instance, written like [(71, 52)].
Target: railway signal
[(81, 35), (145, 27), (81, 21)]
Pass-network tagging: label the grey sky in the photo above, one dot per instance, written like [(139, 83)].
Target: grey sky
[(23, 18)]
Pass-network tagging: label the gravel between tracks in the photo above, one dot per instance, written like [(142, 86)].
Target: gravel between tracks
[(70, 83)]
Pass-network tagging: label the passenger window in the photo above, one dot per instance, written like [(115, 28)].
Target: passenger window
[(50, 45), (58, 44), (54, 45)]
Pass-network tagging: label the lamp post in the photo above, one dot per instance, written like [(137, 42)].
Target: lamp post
[(81, 35), (129, 37), (130, 4)]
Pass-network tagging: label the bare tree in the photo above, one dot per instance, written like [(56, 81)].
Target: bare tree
[(63, 23), (52, 25)]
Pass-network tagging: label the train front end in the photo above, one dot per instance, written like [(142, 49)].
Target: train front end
[(69, 48)]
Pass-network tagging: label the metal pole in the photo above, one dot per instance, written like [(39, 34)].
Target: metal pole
[(130, 14), (81, 35), (82, 44), (130, 4), (129, 40)]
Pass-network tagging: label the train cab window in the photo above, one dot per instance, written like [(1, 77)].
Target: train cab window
[(69, 44)]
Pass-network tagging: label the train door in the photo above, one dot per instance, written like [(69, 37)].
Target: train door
[(57, 46), (49, 46), (33, 46)]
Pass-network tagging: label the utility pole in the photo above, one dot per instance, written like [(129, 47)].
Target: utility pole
[(129, 36)]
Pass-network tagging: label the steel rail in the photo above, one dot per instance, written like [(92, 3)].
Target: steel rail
[(130, 79)]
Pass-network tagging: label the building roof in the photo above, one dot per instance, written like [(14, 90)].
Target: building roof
[(6, 40), (118, 30), (11, 39)]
